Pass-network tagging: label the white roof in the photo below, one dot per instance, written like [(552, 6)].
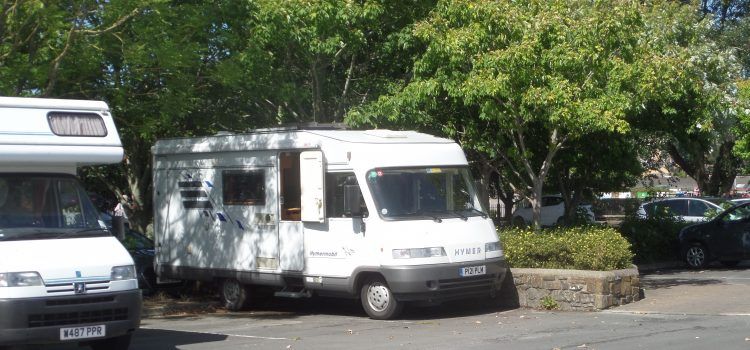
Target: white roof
[(290, 139), (50, 103), (27, 138)]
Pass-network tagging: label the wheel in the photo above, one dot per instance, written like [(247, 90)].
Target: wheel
[(519, 222), (730, 263), (378, 300), (117, 343), (234, 295), (696, 256)]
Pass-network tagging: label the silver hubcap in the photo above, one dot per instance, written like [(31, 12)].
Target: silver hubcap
[(231, 290), (378, 296), (695, 256)]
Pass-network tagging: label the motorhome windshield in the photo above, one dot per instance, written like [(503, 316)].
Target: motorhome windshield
[(423, 193), (42, 206)]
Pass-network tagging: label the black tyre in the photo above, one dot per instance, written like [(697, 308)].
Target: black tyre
[(117, 343), (234, 295), (730, 263), (378, 300), (519, 222), (696, 256)]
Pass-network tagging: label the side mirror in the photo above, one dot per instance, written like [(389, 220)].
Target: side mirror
[(352, 200), (118, 227)]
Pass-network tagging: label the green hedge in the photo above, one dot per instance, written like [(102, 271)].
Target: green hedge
[(654, 239), (580, 248)]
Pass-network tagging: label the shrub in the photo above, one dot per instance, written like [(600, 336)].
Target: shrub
[(654, 239), (580, 248), (549, 303)]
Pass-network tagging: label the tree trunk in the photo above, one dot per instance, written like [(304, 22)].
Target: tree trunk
[(536, 203), (715, 182), (138, 174)]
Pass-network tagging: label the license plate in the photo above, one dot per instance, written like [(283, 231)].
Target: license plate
[(82, 332), (472, 271)]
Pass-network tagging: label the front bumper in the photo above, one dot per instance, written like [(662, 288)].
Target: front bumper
[(443, 282), (38, 320)]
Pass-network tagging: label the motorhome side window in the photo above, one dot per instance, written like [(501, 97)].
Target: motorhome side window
[(76, 124), (336, 184), (244, 187)]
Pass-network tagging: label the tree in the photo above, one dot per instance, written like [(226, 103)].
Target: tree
[(518, 81), (601, 162), (694, 113), (172, 69)]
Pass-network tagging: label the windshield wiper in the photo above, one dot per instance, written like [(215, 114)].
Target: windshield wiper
[(483, 214), (425, 213)]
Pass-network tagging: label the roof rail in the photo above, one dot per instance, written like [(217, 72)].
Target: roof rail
[(302, 126)]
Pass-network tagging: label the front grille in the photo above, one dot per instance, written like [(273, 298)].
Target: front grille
[(485, 281), (67, 287), (80, 301), (77, 317)]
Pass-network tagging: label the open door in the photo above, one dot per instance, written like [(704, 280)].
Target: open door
[(312, 180), (291, 229)]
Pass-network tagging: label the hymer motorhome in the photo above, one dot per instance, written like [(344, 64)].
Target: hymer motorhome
[(389, 217)]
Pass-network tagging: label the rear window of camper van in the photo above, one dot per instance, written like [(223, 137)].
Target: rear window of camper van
[(76, 124), (243, 187)]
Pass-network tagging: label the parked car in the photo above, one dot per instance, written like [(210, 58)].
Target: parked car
[(738, 201), (553, 210), (141, 248), (725, 238), (688, 209)]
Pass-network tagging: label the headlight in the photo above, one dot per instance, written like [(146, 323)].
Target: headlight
[(494, 246), (20, 279), (418, 252), (120, 273)]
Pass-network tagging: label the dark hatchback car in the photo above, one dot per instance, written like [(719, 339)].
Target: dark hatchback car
[(141, 248), (725, 238)]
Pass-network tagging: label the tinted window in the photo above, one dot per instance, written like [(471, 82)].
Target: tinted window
[(336, 204), (549, 201), (673, 207), (697, 208), (678, 207), (244, 187), (741, 213)]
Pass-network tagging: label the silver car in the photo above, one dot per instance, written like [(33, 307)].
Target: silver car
[(687, 209)]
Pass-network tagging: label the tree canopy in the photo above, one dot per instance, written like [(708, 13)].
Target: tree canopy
[(531, 89)]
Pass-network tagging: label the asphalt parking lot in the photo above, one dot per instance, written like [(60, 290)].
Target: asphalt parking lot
[(682, 309)]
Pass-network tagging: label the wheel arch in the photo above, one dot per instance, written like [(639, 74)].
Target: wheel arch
[(361, 275)]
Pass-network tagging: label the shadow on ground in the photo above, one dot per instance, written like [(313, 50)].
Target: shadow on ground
[(674, 282), (146, 339), (281, 308)]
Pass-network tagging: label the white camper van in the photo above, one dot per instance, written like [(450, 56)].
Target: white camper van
[(63, 276), (386, 216)]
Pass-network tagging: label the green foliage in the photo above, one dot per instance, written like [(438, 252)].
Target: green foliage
[(549, 303), (654, 239), (580, 248)]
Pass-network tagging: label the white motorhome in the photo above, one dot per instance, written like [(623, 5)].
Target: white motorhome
[(63, 276), (386, 216)]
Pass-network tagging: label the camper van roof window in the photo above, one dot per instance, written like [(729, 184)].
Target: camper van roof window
[(76, 124)]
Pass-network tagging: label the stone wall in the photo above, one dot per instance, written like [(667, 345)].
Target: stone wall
[(576, 289)]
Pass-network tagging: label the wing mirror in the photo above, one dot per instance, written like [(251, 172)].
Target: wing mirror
[(353, 200)]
